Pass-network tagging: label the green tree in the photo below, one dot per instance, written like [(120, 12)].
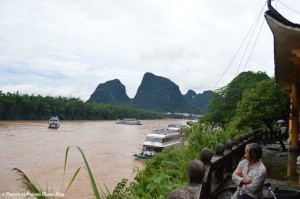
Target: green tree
[(224, 100), (262, 106)]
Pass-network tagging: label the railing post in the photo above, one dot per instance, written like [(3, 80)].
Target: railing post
[(196, 172), (228, 156), (205, 157), (219, 172)]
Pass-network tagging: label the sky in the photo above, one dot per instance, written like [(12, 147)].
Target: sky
[(68, 47)]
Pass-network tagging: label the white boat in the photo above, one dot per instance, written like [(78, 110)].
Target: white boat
[(54, 122), (176, 127), (159, 140), (130, 121)]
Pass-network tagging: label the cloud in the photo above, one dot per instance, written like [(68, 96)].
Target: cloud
[(68, 47)]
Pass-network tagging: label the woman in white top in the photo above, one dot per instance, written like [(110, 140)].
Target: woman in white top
[(250, 174)]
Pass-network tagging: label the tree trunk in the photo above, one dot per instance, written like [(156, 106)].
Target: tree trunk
[(279, 139)]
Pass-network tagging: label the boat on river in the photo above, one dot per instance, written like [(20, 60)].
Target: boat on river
[(54, 122), (129, 121), (176, 127), (159, 140)]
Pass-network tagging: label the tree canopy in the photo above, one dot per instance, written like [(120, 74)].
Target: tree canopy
[(262, 105), (14, 106), (224, 101)]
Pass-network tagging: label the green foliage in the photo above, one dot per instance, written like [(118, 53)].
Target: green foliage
[(205, 135), (162, 174), (224, 101), (262, 106), (167, 171), (120, 191), (30, 107)]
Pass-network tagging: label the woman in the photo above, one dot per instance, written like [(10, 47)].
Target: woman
[(250, 174)]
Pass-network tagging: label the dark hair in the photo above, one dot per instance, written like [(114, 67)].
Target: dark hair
[(255, 151)]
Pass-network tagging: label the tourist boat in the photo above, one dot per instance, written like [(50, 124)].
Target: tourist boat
[(130, 121), (176, 127), (54, 122), (159, 140)]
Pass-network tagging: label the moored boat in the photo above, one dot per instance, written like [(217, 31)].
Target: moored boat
[(176, 127), (158, 141), (129, 121), (54, 122)]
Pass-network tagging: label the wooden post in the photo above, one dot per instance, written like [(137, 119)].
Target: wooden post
[(294, 117)]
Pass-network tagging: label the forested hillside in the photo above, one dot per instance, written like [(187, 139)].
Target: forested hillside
[(199, 101), (155, 93), (160, 94), (110, 92)]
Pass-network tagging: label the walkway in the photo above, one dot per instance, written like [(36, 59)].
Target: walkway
[(281, 167)]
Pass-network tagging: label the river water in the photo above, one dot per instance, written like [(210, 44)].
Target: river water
[(40, 153)]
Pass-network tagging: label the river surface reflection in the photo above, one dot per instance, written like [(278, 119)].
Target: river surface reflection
[(40, 152)]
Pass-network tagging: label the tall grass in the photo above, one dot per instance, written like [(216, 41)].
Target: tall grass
[(33, 189), (40, 194), (87, 167)]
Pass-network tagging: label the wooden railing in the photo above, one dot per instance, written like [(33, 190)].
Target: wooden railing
[(208, 175)]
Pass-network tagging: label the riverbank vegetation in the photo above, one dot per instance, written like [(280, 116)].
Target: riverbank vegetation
[(168, 170), (14, 106)]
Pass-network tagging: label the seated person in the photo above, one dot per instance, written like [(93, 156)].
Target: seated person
[(250, 174)]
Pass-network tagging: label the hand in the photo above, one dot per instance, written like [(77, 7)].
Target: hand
[(239, 173), (246, 181)]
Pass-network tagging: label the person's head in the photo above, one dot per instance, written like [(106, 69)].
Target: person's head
[(253, 152)]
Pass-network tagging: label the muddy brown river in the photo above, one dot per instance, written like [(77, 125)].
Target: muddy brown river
[(40, 152)]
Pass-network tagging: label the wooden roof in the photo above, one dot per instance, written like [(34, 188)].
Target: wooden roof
[(286, 48)]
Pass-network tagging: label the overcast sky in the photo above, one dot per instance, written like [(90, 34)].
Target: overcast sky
[(68, 47)]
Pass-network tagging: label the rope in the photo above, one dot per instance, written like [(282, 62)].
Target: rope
[(288, 7), (254, 45), (255, 22)]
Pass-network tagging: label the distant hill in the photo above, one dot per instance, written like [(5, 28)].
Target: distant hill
[(155, 93), (110, 92), (199, 101), (160, 94)]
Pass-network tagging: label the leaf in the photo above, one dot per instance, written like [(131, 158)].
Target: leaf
[(93, 184), (74, 176)]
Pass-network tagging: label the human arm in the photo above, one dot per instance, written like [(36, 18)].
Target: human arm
[(258, 177), (237, 175), (238, 178)]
